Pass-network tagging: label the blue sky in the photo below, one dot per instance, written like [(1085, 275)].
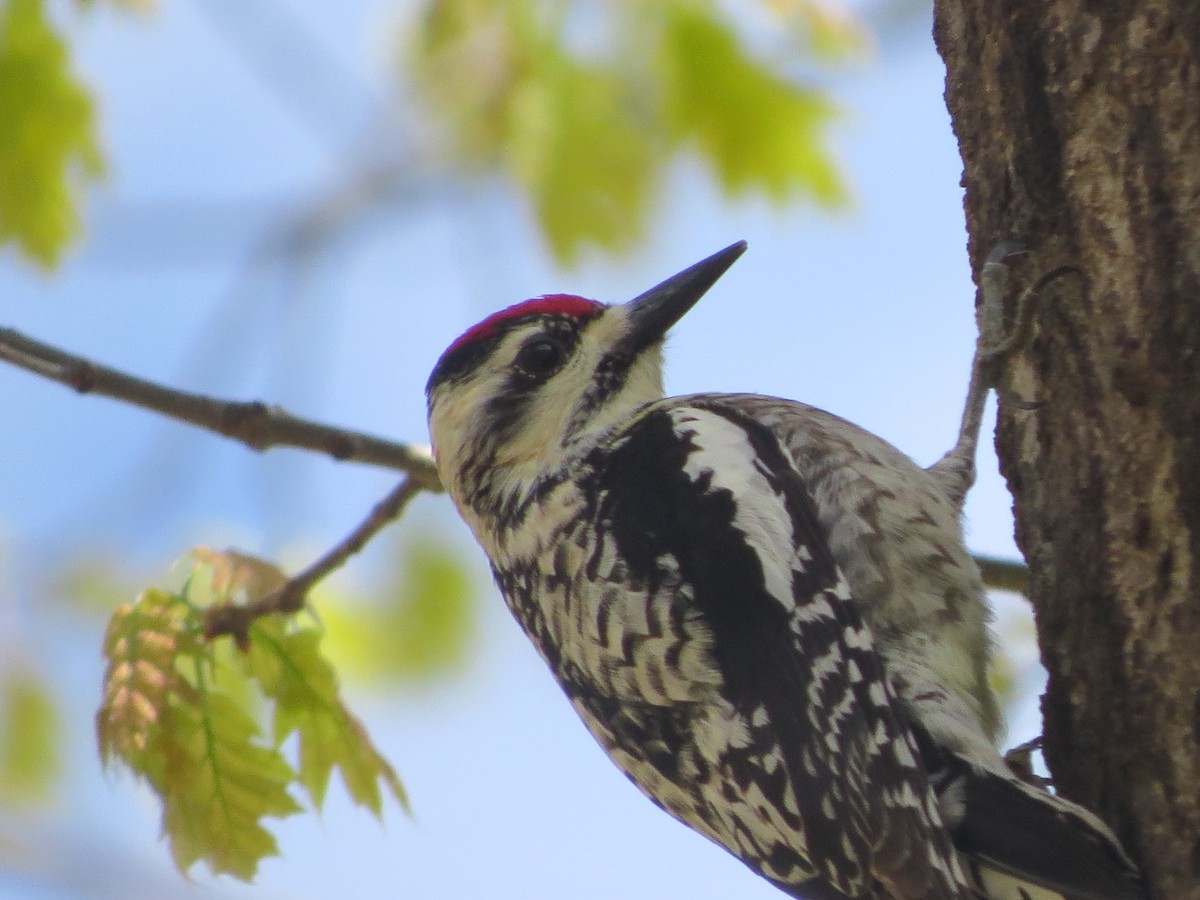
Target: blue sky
[(866, 312)]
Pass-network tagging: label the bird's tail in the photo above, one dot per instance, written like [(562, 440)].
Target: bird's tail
[(1026, 843)]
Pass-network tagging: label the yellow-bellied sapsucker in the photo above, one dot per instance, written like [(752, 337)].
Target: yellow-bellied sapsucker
[(764, 614)]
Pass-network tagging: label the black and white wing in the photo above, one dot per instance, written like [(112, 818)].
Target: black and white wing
[(812, 775)]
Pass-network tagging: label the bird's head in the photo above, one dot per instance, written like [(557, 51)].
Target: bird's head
[(514, 393)]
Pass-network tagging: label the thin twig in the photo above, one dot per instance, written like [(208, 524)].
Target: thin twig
[(235, 618), (253, 423), (259, 427)]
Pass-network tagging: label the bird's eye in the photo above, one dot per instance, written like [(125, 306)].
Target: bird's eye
[(541, 357)]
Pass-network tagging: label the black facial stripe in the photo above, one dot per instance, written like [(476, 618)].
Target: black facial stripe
[(611, 374), (460, 361), (505, 411), (454, 365)]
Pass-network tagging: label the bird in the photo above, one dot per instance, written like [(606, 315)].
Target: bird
[(765, 615)]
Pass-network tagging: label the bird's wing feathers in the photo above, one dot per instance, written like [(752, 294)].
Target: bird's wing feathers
[(728, 507), (1018, 829)]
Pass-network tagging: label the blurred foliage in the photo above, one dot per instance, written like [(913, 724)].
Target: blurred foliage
[(47, 142), (1002, 677), (188, 716), (424, 627), (1012, 633), (583, 118), (587, 131), (29, 738), (516, 86), (141, 6), (756, 129), (1016, 648), (94, 583), (827, 29)]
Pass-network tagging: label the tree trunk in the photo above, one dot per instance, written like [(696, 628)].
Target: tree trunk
[(1079, 127)]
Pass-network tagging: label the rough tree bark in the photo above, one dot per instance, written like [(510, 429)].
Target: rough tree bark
[(1079, 127)]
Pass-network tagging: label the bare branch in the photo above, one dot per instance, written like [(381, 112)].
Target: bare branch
[(235, 619), (262, 427), (1003, 574), (253, 423)]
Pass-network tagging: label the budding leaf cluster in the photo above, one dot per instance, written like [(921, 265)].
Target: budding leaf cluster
[(207, 725)]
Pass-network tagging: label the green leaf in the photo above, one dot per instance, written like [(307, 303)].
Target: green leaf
[(195, 746), (29, 738), (586, 128), (574, 144), (757, 129), (47, 144), (287, 663), (184, 715), (564, 129), (217, 784)]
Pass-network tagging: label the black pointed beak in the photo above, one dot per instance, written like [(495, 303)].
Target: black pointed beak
[(652, 314)]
